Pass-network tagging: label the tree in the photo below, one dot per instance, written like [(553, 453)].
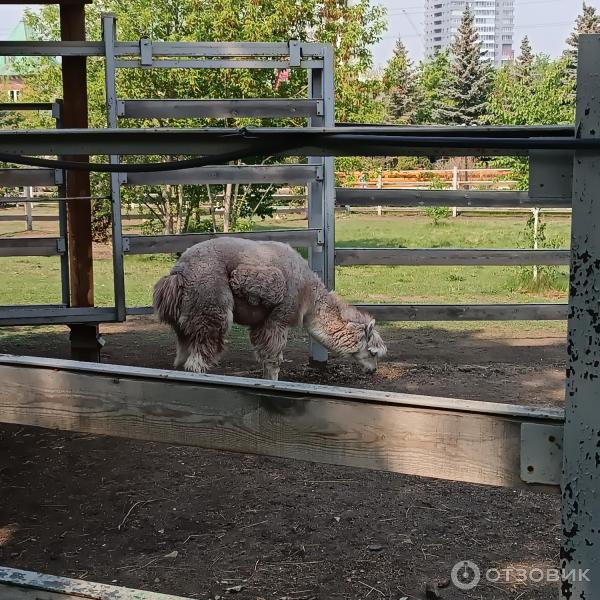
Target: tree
[(351, 29), (432, 72), (400, 86), (587, 22), (466, 90), (524, 62)]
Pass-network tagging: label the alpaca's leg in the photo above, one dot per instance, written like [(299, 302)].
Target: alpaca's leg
[(268, 341), (183, 352), (207, 337)]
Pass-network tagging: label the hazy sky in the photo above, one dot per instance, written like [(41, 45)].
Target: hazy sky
[(546, 22)]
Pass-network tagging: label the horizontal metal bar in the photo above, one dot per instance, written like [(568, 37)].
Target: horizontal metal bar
[(290, 174), (214, 141), (215, 63), (467, 312), (233, 49), (31, 246), (219, 109), (27, 177), (418, 435), (31, 48), (483, 199), (486, 131), (56, 316), (168, 244), (449, 257), (8, 106), (14, 217), (29, 585)]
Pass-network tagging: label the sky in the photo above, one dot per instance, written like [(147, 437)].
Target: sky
[(546, 22)]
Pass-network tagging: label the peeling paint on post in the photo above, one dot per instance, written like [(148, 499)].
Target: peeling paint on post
[(580, 551)]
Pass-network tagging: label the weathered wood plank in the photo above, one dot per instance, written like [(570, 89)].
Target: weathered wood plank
[(16, 584), (152, 244), (402, 197), (449, 256), (467, 312), (390, 432)]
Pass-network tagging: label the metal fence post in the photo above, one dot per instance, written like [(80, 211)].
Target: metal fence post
[(109, 37), (455, 187), (580, 551), (321, 193)]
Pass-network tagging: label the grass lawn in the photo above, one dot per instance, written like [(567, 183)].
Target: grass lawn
[(36, 279)]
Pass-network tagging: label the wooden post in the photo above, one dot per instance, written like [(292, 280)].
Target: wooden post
[(85, 342), (455, 187), (28, 208), (536, 231), (379, 187)]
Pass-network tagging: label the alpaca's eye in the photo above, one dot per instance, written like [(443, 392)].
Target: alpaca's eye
[(373, 352)]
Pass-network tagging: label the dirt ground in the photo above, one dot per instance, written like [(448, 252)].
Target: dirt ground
[(204, 524)]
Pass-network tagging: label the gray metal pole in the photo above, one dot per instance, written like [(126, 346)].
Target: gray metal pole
[(580, 552), (109, 36), (316, 204)]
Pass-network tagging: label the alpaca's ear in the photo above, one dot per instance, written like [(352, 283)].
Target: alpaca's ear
[(370, 328)]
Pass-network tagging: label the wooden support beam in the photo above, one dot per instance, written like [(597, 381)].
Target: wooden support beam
[(85, 341), (476, 442)]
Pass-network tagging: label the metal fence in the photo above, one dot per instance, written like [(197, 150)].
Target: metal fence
[(434, 437)]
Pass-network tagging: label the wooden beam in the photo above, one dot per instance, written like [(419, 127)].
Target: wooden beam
[(476, 442), (84, 339), (16, 584), (75, 116)]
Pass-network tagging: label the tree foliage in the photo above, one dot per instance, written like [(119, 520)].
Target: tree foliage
[(466, 89), (588, 21), (351, 29), (400, 86)]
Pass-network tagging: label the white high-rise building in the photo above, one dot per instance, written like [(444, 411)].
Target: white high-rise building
[(494, 20)]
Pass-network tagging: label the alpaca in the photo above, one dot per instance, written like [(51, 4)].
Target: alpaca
[(266, 286)]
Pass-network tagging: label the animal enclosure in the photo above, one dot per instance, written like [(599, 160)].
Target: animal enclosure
[(517, 447)]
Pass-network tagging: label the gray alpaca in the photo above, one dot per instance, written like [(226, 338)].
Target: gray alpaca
[(266, 286)]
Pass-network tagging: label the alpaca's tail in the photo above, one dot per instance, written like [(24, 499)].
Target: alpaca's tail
[(168, 294)]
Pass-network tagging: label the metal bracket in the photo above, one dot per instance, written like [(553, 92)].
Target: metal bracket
[(145, 52), (319, 173), (320, 108), (295, 53), (120, 108), (59, 176), (61, 245), (550, 174), (541, 453), (56, 110), (122, 178), (125, 244)]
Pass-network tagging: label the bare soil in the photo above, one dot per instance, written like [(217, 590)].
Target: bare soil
[(197, 523)]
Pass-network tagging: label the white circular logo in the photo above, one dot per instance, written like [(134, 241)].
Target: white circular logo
[(466, 575)]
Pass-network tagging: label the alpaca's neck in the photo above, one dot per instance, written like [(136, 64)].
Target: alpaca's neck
[(324, 320)]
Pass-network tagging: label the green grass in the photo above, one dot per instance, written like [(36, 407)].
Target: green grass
[(36, 279)]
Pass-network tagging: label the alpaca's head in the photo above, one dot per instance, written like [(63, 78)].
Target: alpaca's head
[(363, 341)]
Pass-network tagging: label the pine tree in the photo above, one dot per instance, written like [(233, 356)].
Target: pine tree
[(587, 22), (400, 85), (524, 62), (466, 91)]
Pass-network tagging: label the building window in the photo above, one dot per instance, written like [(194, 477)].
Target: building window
[(14, 95)]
